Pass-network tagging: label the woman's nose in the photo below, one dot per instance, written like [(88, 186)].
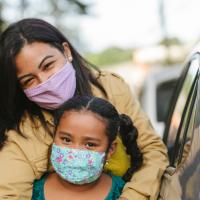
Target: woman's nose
[(42, 77)]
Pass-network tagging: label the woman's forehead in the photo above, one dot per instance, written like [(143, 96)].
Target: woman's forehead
[(32, 54), (36, 49)]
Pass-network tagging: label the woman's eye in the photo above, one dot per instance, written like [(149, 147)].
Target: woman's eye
[(48, 65), (27, 82)]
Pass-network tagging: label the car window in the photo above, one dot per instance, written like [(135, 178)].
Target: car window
[(183, 141), (182, 137), (176, 125), (164, 93), (189, 161)]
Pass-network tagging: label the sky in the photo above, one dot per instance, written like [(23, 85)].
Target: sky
[(128, 23)]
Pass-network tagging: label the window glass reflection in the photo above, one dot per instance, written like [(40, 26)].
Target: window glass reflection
[(180, 104), (189, 166)]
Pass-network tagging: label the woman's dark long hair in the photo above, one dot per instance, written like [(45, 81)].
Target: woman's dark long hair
[(13, 102), (115, 123)]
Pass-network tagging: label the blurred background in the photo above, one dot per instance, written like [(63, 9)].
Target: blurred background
[(146, 42)]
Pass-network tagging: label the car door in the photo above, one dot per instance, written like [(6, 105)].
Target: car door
[(181, 180)]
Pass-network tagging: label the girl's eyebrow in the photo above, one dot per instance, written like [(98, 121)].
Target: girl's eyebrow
[(39, 66), (92, 139), (64, 133), (85, 138)]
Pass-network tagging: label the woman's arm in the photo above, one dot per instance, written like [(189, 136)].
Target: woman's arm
[(23, 159), (145, 182), (16, 174)]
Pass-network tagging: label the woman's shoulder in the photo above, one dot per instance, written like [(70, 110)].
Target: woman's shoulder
[(108, 77), (118, 92), (32, 146), (117, 186), (113, 83), (31, 127)]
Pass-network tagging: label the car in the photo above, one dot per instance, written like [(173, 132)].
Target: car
[(181, 181), (156, 93)]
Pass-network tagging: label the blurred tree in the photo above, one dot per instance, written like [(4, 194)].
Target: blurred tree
[(60, 7), (23, 5), (110, 56), (2, 22), (64, 13), (3, 4), (170, 41), (163, 26), (82, 7), (59, 12), (162, 19)]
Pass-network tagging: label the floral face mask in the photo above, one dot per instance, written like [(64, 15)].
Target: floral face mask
[(77, 166)]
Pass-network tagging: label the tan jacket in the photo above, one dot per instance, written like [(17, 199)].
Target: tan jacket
[(24, 159)]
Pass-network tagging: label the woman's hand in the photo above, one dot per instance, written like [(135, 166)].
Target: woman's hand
[(122, 198)]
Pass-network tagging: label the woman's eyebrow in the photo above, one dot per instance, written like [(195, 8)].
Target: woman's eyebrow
[(46, 57), (39, 66), (26, 75)]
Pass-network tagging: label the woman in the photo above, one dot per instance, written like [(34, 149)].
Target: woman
[(39, 71), (84, 140)]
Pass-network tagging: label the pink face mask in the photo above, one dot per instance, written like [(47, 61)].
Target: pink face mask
[(56, 90)]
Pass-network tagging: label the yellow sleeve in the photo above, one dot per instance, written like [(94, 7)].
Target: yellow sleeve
[(114, 164), (145, 182), (16, 175)]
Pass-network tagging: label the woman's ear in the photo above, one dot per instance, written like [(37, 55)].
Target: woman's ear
[(112, 149), (67, 51)]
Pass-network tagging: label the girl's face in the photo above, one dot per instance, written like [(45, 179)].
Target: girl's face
[(38, 61), (83, 130)]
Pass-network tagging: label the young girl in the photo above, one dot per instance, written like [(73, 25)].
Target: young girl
[(86, 129)]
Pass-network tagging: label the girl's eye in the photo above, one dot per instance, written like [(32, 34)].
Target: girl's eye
[(90, 144), (66, 140)]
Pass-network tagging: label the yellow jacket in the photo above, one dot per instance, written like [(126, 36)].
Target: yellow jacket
[(22, 160)]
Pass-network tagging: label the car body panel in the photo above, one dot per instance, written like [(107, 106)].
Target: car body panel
[(181, 180)]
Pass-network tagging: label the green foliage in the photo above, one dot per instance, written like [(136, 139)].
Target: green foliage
[(81, 7), (67, 7), (60, 13), (170, 41), (2, 21), (110, 56)]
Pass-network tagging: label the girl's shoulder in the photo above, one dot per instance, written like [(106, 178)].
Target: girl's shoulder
[(38, 188), (116, 189)]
